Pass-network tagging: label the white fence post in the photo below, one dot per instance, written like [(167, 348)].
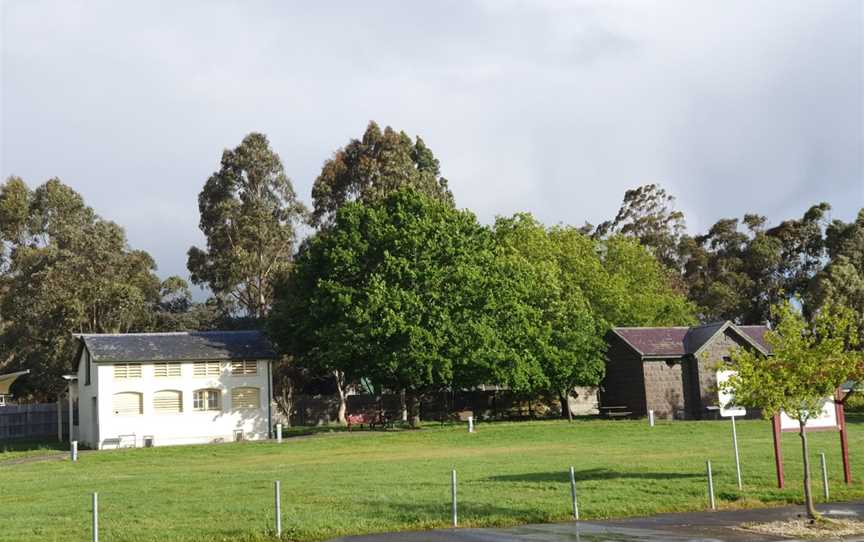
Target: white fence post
[(278, 498), (453, 496), (95, 517), (651, 418), (74, 450), (279, 433), (470, 424), (824, 476), (573, 494), (710, 485)]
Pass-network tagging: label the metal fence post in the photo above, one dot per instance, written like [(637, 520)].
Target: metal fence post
[(453, 495), (824, 476), (95, 517), (651, 418), (74, 450), (279, 433), (278, 497), (573, 494), (470, 424), (710, 485)]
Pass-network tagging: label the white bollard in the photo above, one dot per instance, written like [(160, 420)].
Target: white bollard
[(279, 433), (453, 496), (278, 497), (95, 517), (710, 485), (824, 476), (573, 494), (74, 450), (470, 424), (651, 418)]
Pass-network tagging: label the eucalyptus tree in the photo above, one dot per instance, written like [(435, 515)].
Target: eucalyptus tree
[(249, 215), (370, 168), (67, 271)]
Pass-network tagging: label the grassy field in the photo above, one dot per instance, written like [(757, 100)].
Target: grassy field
[(351, 483)]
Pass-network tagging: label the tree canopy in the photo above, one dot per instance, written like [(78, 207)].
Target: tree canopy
[(249, 213), (392, 291), (809, 361), (74, 273), (370, 168)]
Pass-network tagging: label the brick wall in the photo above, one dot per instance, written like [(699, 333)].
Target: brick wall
[(664, 392)]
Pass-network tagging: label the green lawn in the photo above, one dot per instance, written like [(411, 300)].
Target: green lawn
[(345, 483), (17, 449)]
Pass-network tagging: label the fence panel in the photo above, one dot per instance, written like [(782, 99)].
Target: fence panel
[(30, 421)]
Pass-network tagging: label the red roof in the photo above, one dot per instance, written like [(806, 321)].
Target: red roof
[(677, 342)]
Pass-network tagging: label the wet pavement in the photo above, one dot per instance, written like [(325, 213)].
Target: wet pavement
[(691, 527)]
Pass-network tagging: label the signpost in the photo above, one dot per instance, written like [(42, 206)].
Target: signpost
[(728, 409), (831, 418)]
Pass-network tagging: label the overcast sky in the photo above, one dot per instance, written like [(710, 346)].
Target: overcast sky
[(550, 107)]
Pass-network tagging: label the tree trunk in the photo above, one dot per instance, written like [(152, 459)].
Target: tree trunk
[(285, 399), (413, 408), (565, 406), (808, 495), (340, 389)]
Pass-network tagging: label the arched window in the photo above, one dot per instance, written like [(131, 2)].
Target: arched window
[(208, 399), (168, 402), (127, 403), (245, 398)]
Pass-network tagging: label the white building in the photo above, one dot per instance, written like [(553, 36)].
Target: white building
[(155, 389)]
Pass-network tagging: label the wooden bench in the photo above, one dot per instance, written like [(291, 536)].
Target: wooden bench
[(366, 418)]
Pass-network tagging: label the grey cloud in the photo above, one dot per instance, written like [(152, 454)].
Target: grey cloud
[(549, 107)]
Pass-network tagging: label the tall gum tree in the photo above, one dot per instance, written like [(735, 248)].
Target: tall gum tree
[(249, 213), (370, 168)]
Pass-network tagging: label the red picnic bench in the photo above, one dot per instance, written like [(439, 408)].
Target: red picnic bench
[(366, 418)]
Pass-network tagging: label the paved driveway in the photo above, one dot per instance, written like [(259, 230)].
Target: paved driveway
[(691, 527)]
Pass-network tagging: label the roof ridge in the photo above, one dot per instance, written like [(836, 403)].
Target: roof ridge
[(651, 327), (166, 333)]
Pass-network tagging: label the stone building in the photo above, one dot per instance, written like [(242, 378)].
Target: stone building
[(671, 370)]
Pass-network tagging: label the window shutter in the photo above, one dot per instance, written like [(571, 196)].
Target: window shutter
[(245, 398), (127, 370), (206, 368), (162, 370), (168, 401), (244, 367), (127, 403)]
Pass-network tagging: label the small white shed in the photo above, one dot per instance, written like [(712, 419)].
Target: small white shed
[(155, 389)]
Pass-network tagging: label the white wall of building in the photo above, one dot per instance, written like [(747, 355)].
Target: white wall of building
[(103, 428)]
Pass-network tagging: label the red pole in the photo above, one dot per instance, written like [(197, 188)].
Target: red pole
[(778, 454), (844, 443)]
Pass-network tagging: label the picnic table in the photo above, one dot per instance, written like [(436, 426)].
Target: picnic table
[(615, 412)]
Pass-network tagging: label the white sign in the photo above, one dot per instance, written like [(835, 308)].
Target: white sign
[(826, 419), (725, 398)]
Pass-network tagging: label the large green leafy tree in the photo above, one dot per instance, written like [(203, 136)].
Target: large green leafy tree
[(549, 321), (68, 271), (249, 213), (809, 362), (394, 291), (370, 168)]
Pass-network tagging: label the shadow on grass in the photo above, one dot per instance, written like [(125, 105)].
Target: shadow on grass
[(590, 474)]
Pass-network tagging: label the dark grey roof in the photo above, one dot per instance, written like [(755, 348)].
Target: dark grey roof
[(193, 345), (676, 342)]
